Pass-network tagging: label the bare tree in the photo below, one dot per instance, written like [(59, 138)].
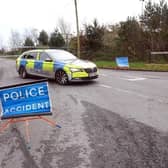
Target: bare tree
[(1, 48), (32, 34), (1, 42), (15, 40), (65, 29)]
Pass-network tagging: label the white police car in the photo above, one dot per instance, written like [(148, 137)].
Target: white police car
[(58, 64)]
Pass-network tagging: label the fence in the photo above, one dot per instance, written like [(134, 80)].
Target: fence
[(159, 56)]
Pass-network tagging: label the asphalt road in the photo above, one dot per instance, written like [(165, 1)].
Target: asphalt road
[(117, 121)]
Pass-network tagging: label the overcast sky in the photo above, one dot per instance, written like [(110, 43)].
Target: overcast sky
[(19, 15)]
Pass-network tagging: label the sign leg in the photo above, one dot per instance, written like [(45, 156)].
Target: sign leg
[(52, 123), (4, 126), (27, 131)]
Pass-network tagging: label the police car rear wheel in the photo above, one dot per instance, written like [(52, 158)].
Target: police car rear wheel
[(61, 77), (23, 73)]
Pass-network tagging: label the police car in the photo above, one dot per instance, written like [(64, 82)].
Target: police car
[(61, 65)]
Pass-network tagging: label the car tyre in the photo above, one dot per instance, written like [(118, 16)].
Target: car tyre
[(22, 72), (61, 78)]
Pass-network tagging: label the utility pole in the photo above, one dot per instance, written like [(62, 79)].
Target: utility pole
[(77, 28)]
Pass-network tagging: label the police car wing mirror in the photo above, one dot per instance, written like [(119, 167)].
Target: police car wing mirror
[(48, 60)]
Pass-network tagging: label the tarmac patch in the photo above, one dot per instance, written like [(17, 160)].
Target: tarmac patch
[(123, 143)]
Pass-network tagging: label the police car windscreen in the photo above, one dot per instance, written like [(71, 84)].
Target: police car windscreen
[(61, 55)]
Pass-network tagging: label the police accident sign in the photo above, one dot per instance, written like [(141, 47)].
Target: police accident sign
[(22, 100)]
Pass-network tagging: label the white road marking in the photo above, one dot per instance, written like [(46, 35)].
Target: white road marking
[(152, 77), (133, 78), (131, 92), (103, 75), (125, 91), (105, 86), (136, 79), (134, 93), (141, 95)]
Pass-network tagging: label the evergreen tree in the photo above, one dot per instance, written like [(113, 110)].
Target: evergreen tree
[(155, 25), (43, 38), (56, 39), (94, 35), (28, 42), (130, 39)]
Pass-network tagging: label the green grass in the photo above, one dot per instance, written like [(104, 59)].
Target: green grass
[(9, 57), (134, 66), (106, 64)]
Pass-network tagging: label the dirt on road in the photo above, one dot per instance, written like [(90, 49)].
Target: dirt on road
[(121, 143)]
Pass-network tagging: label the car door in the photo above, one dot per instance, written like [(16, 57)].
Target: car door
[(46, 65), (30, 61)]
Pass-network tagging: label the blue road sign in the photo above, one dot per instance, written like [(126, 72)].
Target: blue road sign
[(25, 100), (122, 61)]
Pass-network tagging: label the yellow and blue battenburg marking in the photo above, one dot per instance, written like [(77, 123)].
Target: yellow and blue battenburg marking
[(50, 68), (40, 65)]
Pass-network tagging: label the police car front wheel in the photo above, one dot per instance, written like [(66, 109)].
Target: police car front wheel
[(61, 77), (22, 72)]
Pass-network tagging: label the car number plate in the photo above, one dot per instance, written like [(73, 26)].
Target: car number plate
[(92, 74)]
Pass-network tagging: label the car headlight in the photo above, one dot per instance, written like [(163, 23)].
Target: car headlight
[(75, 70)]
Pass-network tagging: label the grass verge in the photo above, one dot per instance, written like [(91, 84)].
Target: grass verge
[(134, 66)]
